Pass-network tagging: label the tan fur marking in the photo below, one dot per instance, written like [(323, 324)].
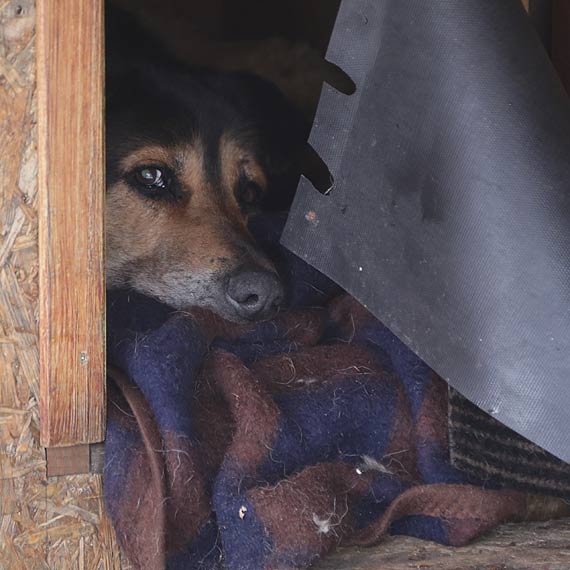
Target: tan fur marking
[(236, 160), (190, 159), (181, 252)]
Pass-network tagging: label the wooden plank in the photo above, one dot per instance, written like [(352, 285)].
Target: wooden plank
[(69, 460), (97, 458), (44, 524), (71, 187), (531, 546)]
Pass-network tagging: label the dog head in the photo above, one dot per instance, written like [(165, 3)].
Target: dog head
[(190, 157)]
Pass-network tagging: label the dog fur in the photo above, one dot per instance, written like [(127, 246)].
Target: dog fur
[(283, 42), (227, 144)]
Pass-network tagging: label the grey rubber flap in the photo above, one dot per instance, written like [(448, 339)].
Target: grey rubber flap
[(449, 217)]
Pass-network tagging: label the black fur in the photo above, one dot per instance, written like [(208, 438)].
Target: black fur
[(151, 97)]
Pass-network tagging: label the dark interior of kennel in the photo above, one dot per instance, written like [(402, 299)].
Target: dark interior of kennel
[(311, 23), (231, 23), (240, 36)]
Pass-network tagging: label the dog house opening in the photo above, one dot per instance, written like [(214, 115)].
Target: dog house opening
[(208, 105), (208, 111)]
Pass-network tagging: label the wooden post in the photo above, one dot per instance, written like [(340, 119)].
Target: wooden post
[(71, 188)]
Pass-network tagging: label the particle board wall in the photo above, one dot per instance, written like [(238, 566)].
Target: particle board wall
[(57, 523)]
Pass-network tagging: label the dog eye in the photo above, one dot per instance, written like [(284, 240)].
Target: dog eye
[(151, 178)]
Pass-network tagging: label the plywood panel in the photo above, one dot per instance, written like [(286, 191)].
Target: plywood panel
[(20, 453), (56, 524), (71, 189)]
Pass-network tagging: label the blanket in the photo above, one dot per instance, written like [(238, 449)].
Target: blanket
[(274, 443)]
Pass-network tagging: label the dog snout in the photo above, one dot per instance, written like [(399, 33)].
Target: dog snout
[(254, 293)]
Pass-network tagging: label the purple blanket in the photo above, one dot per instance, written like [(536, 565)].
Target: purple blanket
[(275, 443)]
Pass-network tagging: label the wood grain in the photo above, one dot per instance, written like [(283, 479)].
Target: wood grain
[(69, 460), (45, 524), (56, 524), (71, 187), (532, 546)]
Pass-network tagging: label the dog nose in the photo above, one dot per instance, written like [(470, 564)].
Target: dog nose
[(255, 293)]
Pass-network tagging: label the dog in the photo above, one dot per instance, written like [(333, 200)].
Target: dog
[(282, 41), (192, 154)]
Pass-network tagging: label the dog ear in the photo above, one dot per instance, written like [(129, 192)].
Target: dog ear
[(285, 129)]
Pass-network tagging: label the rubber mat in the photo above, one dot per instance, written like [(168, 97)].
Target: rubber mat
[(448, 214)]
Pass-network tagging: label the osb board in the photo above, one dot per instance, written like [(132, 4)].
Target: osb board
[(71, 175), (18, 242), (44, 524), (56, 524)]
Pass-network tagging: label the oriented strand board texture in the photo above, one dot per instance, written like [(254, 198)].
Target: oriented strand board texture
[(57, 524), (19, 451), (71, 210)]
